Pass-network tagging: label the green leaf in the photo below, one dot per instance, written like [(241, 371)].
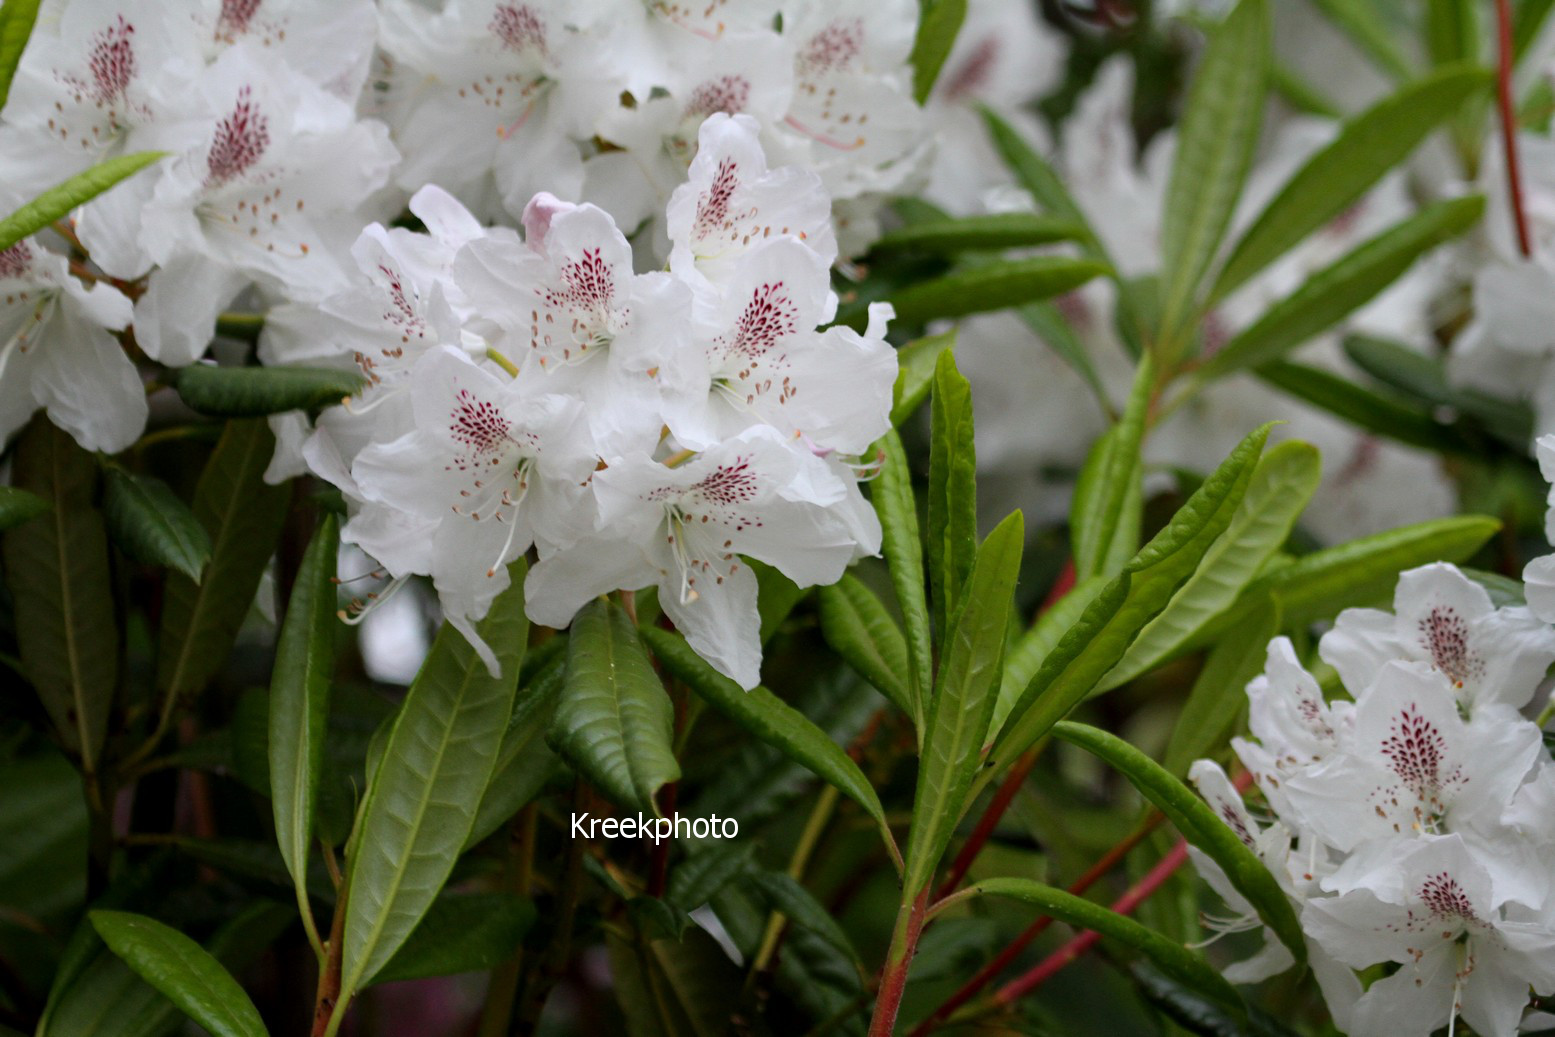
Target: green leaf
[(461, 932), (1199, 824), (58, 200), (673, 988), (1218, 698), (58, 573), (1362, 407), (422, 797), (702, 876), (1025, 657), (242, 515), (1121, 609), (939, 21), (783, 894), (183, 971), (897, 508), (952, 536), (524, 763), (986, 231), (18, 506), (1197, 1014), (16, 22), (1036, 175), (148, 521), (972, 661), (1215, 144), (1527, 20), (1451, 31), (1049, 325), (769, 719), (857, 626), (1296, 91), (299, 702), (1425, 378), (614, 721), (1100, 510), (1336, 291), (915, 373), (1168, 955), (991, 286), (1281, 485), (252, 392), (1369, 145), (1363, 23)]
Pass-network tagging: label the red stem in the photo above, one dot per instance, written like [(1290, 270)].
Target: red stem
[(1053, 963), (893, 979), (1514, 174)]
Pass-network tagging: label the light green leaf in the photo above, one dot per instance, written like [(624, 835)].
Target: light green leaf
[(57, 201), (1024, 658), (1218, 698), (1168, 955), (972, 661), (915, 373), (1363, 23), (183, 971), (16, 22), (986, 231), (1215, 144), (1099, 512), (1451, 31), (251, 392), (939, 22), (422, 797), (150, 524), (1296, 91), (1369, 145), (952, 534), (18, 506), (299, 703), (990, 286), (897, 508), (769, 719), (58, 574), (857, 626), (1282, 484), (1199, 824), (1339, 289), (461, 932), (614, 722), (242, 514)]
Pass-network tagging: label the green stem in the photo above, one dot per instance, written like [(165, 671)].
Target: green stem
[(502, 362), (1547, 713)]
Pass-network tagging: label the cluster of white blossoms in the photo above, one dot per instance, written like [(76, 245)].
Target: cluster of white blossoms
[(1413, 824), (636, 429)]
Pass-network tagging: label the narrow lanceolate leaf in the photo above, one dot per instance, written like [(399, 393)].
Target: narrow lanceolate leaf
[(952, 533), (971, 663), (57, 201), (16, 21), (1336, 291), (1363, 22), (57, 569), (183, 971), (987, 231), (1025, 657), (150, 524), (1168, 955), (1425, 378), (1035, 174), (915, 373), (1214, 150), (1198, 823), (992, 286), (784, 894), (1215, 704), (242, 516), (938, 23), (897, 507), (614, 721), (422, 797), (299, 702), (18, 506), (1370, 145), (1104, 631), (1363, 408), (1051, 327), (1528, 18), (1110, 477), (462, 932), (1452, 31), (1282, 484), (524, 762), (251, 392), (769, 719), (857, 626)]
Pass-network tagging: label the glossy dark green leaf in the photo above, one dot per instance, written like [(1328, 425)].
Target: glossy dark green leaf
[(939, 21), (785, 895), (524, 762), (1218, 697), (952, 518), (986, 231), (182, 971), (857, 626), (673, 988), (16, 22), (1361, 407), (915, 373), (1111, 476), (249, 392), (461, 932), (58, 200), (150, 524), (897, 508), (1368, 146), (17, 506), (991, 286), (422, 797), (614, 722), (1200, 825), (1215, 144), (58, 574), (1424, 378)]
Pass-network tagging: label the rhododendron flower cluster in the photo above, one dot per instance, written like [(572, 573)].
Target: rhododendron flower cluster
[(1413, 822), (636, 429)]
